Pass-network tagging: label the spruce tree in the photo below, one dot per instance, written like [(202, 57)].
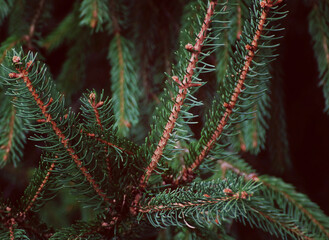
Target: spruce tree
[(147, 154)]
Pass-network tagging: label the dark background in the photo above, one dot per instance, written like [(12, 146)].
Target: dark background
[(307, 124)]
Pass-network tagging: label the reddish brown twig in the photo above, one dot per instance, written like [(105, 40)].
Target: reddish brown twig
[(123, 122), (36, 195), (186, 173), (94, 18), (230, 195), (95, 106), (253, 176), (109, 143), (183, 86), (23, 74), (7, 147), (294, 229), (239, 22), (35, 19)]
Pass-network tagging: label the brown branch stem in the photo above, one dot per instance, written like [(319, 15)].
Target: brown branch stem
[(123, 122), (201, 202), (7, 147), (183, 89), (95, 106), (23, 74), (186, 173), (295, 230), (108, 143), (253, 176), (36, 195), (33, 23)]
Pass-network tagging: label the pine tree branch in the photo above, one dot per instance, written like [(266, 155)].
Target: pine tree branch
[(11, 231), (115, 22), (203, 202), (41, 187), (247, 176), (95, 105), (318, 28), (291, 229), (181, 205), (12, 132), (297, 204), (254, 177), (124, 83), (187, 172), (92, 135), (34, 22), (23, 74), (8, 44), (94, 13), (9, 221), (183, 89), (239, 22), (8, 146), (122, 120)]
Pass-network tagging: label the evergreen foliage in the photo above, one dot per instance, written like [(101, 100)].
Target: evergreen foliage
[(319, 26), (169, 180)]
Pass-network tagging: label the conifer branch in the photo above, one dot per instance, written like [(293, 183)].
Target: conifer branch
[(185, 174), (34, 22), (293, 229), (23, 74), (41, 187), (94, 13), (12, 132), (124, 83), (318, 28), (95, 105), (7, 45), (247, 176), (11, 231), (239, 21), (183, 89), (295, 203), (201, 202), (92, 135), (254, 177), (122, 120), (10, 221), (8, 146)]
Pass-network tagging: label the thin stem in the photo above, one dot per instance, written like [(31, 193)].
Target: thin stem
[(36, 195), (9, 144), (183, 86), (201, 202), (122, 121), (239, 22), (108, 143), (94, 18), (253, 176), (95, 107), (23, 74), (34, 22), (294, 230), (186, 173)]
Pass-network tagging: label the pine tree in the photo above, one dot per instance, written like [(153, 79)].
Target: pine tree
[(147, 155)]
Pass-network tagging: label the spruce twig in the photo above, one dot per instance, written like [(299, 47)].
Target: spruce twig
[(179, 100), (33, 24), (186, 174), (226, 165), (23, 75)]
